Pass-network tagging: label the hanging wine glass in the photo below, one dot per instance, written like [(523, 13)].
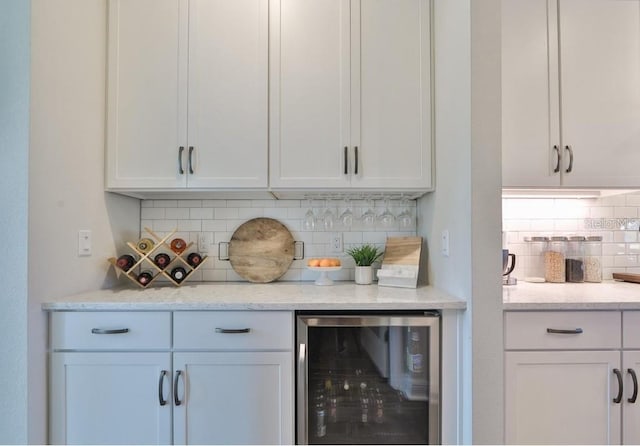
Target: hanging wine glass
[(405, 218), (347, 215), (369, 217), (387, 219), (309, 222), (327, 215)]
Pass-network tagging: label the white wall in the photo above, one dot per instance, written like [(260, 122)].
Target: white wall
[(14, 152), (466, 202), (66, 173)]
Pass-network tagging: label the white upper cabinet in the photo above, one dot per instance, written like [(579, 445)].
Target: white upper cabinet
[(350, 92), (147, 85), (571, 93), (187, 94)]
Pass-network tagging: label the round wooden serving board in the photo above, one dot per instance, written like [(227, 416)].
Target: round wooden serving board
[(261, 250)]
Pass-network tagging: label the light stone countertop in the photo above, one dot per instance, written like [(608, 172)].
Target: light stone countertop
[(608, 295), (271, 296)]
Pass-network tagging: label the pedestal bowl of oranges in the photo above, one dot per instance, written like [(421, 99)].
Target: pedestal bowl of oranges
[(324, 265)]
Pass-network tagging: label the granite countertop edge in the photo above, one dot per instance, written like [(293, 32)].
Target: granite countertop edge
[(246, 296), (607, 295)]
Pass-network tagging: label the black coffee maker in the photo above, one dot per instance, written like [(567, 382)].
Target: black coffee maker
[(508, 264)]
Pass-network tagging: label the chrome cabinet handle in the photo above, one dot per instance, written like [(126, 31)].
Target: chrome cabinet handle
[(355, 169), (564, 331), (618, 397), (346, 160), (232, 330), (558, 159), (102, 331), (180, 169), (633, 398), (191, 159), (161, 399), (176, 400), (570, 168)]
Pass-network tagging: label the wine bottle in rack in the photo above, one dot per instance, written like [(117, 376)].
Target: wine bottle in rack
[(125, 262), (162, 260), (145, 245), (178, 274), (194, 259), (145, 277), (178, 245)]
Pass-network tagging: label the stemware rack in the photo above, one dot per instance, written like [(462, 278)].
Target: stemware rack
[(145, 261)]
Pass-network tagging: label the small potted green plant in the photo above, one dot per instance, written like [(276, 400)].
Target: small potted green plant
[(364, 257)]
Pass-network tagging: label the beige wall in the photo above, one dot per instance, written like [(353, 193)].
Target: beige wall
[(66, 172)]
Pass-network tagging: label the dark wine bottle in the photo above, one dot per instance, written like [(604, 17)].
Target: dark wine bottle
[(125, 262), (162, 260), (145, 277), (178, 274), (194, 259)]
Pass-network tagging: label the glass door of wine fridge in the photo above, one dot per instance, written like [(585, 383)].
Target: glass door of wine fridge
[(368, 378)]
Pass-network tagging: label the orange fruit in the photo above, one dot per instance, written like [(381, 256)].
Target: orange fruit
[(313, 262), (325, 263), (335, 262)]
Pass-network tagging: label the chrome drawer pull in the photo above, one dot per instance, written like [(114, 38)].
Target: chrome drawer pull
[(564, 331), (106, 331), (232, 330)]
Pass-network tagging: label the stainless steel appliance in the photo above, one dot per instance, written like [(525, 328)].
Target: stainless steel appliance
[(368, 378)]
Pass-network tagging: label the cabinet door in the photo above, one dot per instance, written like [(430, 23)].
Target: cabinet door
[(391, 93), (110, 398), (146, 114), (562, 397), (309, 93), (600, 84), (530, 109), (631, 411), (234, 398), (228, 88)]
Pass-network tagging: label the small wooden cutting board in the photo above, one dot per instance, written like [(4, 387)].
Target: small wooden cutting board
[(627, 277)]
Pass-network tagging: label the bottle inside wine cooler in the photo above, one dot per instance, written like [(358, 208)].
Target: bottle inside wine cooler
[(415, 359), (320, 414)]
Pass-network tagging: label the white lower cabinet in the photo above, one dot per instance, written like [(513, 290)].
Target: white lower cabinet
[(109, 398), (569, 377), (211, 377), (233, 398)]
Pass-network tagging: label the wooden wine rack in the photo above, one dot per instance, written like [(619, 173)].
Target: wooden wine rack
[(162, 244)]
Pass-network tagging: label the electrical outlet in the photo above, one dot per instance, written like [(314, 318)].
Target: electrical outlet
[(444, 243), (204, 241), (84, 242), (335, 243)]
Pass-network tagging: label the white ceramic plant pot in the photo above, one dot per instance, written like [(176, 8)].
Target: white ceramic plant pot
[(364, 275)]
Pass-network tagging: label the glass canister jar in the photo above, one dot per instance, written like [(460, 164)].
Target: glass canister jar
[(536, 246), (574, 263), (554, 259), (593, 259)]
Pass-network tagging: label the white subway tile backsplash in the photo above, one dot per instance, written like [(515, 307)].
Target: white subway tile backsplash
[(616, 219), (220, 218), (200, 213), (152, 213)]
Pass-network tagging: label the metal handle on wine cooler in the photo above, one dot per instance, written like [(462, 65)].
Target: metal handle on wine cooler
[(303, 418), (101, 331)]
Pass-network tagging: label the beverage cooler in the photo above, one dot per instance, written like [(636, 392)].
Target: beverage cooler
[(368, 378)]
